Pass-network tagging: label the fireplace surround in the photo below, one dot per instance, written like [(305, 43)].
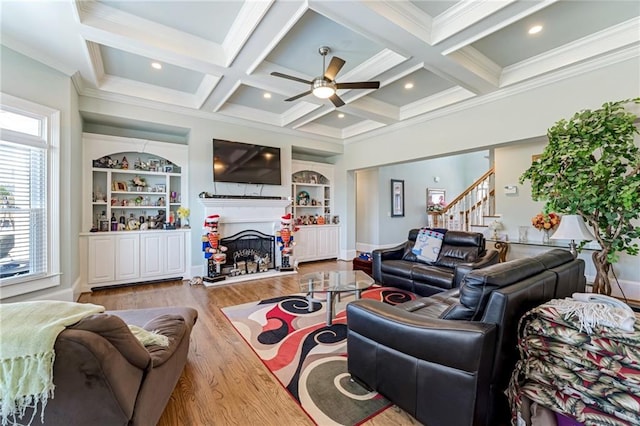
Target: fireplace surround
[(260, 217)]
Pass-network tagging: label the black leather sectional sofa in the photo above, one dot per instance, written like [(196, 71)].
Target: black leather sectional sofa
[(447, 359), (460, 253)]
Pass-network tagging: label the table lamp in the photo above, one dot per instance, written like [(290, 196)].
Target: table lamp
[(573, 228)]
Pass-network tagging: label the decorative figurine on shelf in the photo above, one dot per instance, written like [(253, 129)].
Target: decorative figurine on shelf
[(213, 251), (159, 220), (125, 163), (284, 239)]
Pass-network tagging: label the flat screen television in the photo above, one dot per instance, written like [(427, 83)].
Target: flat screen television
[(246, 163)]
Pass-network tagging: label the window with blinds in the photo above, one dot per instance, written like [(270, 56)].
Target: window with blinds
[(25, 240)]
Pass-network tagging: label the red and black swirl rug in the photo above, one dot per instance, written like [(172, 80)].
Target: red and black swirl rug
[(308, 357)]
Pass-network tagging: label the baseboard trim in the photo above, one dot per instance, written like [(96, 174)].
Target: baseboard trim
[(135, 283), (631, 289)]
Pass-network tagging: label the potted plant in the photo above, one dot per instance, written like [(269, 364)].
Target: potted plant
[(591, 167)]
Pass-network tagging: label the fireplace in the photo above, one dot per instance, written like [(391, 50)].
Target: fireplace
[(258, 216), (249, 252)]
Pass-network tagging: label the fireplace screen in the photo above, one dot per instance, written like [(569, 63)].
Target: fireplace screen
[(248, 252)]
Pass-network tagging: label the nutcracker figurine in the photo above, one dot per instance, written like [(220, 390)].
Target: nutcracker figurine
[(213, 251), (284, 239)]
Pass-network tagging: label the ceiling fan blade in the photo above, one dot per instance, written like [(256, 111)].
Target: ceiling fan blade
[(308, 92), (334, 68), (290, 77), (336, 100), (359, 85)]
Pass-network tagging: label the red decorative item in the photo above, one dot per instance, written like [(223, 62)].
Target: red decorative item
[(214, 240)]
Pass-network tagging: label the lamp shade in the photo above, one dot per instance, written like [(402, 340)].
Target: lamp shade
[(572, 227)]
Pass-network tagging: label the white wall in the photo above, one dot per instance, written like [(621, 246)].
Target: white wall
[(525, 114), (376, 227), (367, 210), (202, 129), (517, 210), (27, 79)]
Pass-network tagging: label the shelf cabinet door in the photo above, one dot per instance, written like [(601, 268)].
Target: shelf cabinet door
[(327, 242), (127, 248), (306, 240), (101, 259), (175, 251), (152, 254)]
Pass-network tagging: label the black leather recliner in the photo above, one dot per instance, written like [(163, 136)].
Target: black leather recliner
[(460, 253), (447, 359)]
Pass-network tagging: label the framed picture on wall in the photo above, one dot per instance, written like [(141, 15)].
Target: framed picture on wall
[(436, 199), (397, 198)]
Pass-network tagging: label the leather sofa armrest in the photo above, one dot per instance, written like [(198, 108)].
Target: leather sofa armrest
[(462, 345), (490, 257), (378, 255)]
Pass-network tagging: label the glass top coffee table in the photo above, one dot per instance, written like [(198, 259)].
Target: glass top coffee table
[(332, 283)]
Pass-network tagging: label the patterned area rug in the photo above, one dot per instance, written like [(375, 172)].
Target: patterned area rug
[(308, 357)]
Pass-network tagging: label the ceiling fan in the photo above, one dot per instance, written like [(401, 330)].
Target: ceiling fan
[(325, 86)]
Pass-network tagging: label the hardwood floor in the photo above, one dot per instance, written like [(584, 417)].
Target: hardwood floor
[(224, 382)]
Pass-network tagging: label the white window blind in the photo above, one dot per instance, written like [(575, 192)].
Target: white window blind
[(22, 210), (29, 185)]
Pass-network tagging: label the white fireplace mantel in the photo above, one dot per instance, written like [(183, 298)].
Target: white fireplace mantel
[(245, 210)]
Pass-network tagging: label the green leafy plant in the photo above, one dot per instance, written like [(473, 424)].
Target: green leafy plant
[(591, 167)]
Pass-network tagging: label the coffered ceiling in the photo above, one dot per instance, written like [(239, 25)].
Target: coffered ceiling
[(217, 57)]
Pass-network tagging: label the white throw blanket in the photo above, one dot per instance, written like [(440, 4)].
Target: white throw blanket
[(28, 331), (591, 314)]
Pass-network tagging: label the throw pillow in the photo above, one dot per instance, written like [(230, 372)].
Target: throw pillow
[(427, 246)]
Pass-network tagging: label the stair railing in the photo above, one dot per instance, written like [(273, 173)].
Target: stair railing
[(468, 208)]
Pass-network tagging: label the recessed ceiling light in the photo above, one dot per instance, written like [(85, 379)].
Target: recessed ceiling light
[(266, 95), (408, 86), (535, 29), (156, 65), (341, 115)]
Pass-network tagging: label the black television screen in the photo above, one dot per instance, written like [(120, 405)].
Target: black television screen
[(245, 163)]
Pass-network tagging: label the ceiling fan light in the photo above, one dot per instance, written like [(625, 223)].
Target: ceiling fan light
[(323, 92), (322, 88)]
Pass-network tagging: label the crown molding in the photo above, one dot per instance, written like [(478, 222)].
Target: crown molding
[(405, 15), (243, 27), (500, 25), (291, 19), (439, 100), (463, 15), (474, 61), (630, 52), (296, 111), (199, 114), (371, 108), (36, 55), (376, 65), (600, 43), (359, 128), (95, 59), (321, 129), (247, 113), (121, 30)]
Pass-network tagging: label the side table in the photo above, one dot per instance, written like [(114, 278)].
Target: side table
[(365, 265), (503, 249)]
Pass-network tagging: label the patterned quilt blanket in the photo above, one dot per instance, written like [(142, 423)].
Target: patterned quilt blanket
[(593, 378)]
